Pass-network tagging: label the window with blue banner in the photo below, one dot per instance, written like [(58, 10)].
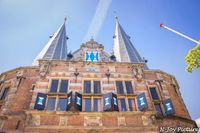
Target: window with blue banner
[(168, 106), (40, 101), (92, 56), (78, 101), (110, 102), (142, 102)]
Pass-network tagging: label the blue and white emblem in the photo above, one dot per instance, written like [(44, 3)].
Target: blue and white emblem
[(115, 101), (92, 56), (40, 100), (169, 107), (78, 100), (107, 101), (142, 101), (69, 100)]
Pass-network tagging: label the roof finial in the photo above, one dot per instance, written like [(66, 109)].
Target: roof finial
[(65, 19), (116, 17)]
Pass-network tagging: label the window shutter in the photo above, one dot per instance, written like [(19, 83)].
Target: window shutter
[(115, 104), (168, 106), (40, 101), (107, 105), (78, 101), (110, 102), (69, 100), (142, 102)]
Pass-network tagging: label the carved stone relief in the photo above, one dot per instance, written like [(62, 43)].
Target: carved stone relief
[(44, 68), (137, 72), (121, 121), (33, 120), (92, 121), (63, 121)]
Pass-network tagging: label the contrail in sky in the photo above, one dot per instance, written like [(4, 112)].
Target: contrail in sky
[(97, 19)]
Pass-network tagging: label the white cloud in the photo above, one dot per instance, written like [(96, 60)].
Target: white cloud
[(98, 18)]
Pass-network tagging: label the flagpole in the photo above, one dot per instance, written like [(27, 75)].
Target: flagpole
[(187, 37)]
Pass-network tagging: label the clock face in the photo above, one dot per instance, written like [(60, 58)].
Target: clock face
[(92, 56)]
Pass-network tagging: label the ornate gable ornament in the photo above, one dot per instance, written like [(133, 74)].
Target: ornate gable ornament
[(92, 45), (44, 69), (137, 71)]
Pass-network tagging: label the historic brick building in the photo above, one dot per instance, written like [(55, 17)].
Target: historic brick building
[(90, 90)]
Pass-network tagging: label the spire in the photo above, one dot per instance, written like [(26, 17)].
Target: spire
[(56, 47), (124, 50)]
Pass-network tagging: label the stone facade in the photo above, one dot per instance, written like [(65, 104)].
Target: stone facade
[(18, 113)]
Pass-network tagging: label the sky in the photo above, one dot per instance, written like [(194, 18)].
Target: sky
[(25, 27)]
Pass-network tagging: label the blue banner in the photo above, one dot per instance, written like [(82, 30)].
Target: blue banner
[(69, 100), (142, 102), (40, 101), (168, 106), (78, 101), (110, 102)]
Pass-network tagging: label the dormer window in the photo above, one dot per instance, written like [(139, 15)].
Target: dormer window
[(92, 56)]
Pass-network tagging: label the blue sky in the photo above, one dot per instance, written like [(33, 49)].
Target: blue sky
[(26, 25)]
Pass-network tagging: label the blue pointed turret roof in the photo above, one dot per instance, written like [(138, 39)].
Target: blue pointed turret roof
[(123, 49), (56, 47)]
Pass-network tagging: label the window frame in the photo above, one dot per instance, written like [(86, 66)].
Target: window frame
[(135, 106), (84, 91), (62, 97), (160, 114), (131, 87), (156, 90), (90, 104), (3, 92), (125, 102), (56, 102), (59, 85), (92, 97), (92, 86), (47, 101), (124, 87)]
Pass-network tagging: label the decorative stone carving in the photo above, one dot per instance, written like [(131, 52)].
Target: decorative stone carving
[(92, 121), (121, 121), (44, 68), (92, 68), (137, 72), (19, 73), (147, 120), (33, 120), (71, 67), (63, 121)]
